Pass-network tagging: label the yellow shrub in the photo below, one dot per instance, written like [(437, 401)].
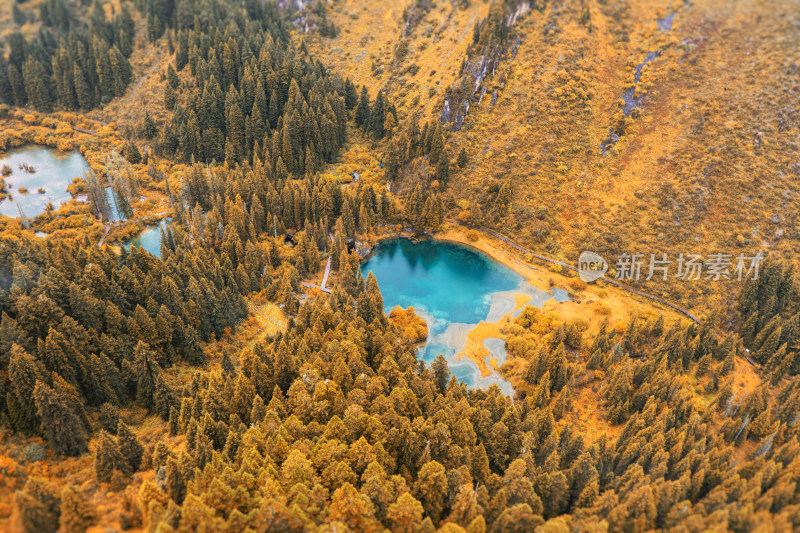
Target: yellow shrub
[(65, 145), (576, 284), (414, 328), (602, 308), (473, 235)]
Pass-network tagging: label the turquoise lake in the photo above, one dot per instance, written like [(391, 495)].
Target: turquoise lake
[(54, 172), (453, 288), (150, 238)]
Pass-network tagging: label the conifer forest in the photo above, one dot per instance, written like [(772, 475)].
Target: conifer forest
[(436, 266)]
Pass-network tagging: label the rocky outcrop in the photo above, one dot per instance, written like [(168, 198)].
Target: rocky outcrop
[(480, 67)]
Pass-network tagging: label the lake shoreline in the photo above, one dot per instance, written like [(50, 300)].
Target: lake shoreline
[(593, 302), (538, 276), (492, 328), (455, 289), (464, 338)]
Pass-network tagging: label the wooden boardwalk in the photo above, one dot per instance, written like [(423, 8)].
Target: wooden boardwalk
[(327, 273), (322, 287), (105, 234), (312, 286)]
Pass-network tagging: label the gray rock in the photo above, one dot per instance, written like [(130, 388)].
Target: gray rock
[(34, 453)]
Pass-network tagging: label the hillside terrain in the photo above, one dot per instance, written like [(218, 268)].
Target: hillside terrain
[(244, 375), (700, 158)]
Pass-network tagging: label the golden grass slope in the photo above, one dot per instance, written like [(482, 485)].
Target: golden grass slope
[(365, 49), (708, 162)]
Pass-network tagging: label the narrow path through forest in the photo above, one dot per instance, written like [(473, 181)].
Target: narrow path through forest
[(325, 277)]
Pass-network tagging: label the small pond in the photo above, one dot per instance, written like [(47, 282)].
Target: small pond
[(53, 172), (453, 288), (150, 238)]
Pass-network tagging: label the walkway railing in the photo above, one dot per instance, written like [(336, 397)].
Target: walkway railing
[(325, 277), (550, 260)]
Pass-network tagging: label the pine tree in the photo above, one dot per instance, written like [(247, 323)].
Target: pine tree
[(258, 411), (441, 373), (18, 16), (83, 93), (462, 158), (443, 167), (146, 374), (170, 97), (172, 77), (149, 128), (770, 346), (435, 143), (362, 111), (351, 94), (39, 506), (274, 111), (131, 153), (108, 459), (129, 446), (24, 372), (405, 515), (377, 116), (77, 515), (60, 424), (374, 297), (109, 417), (235, 129), (37, 86)]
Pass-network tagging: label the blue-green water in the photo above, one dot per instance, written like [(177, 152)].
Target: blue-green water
[(54, 172), (150, 238), (453, 288)]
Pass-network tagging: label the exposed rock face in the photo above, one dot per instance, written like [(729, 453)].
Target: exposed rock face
[(363, 249), (298, 7), (446, 111), (480, 66), (413, 15)]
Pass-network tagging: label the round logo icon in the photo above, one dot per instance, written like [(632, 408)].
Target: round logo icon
[(591, 266)]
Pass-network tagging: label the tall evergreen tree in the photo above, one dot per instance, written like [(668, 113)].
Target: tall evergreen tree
[(363, 111), (60, 424), (108, 458), (129, 446)]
